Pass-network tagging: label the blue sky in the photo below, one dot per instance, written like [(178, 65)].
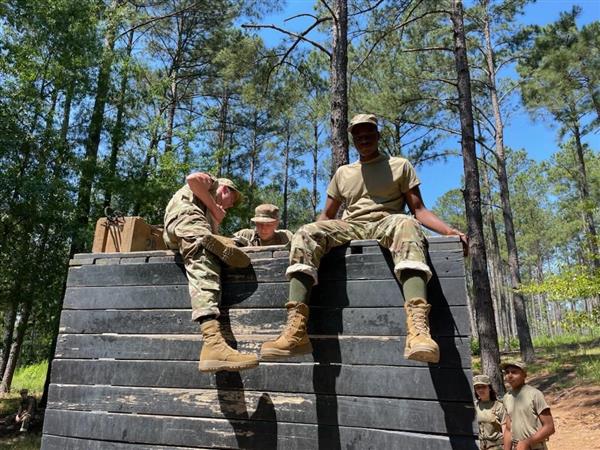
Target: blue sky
[(537, 137)]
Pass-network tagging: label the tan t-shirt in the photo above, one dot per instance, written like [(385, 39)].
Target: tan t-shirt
[(281, 237), (374, 189), (524, 407), (490, 416)]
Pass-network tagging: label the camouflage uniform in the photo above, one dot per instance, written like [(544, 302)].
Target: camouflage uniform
[(374, 196), (187, 220), (250, 237)]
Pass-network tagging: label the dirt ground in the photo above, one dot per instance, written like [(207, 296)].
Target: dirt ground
[(576, 412)]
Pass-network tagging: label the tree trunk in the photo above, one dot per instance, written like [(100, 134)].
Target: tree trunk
[(286, 166), (15, 348), (223, 112), (582, 182), (315, 172), (118, 135), (525, 343), (488, 337), (339, 84), (10, 316), (88, 166)]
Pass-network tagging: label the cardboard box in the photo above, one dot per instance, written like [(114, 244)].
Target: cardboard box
[(126, 234)]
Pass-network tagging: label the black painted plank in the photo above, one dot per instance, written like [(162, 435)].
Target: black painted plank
[(323, 321), (51, 442), (359, 267), (367, 350), (358, 293), (425, 383), (238, 433), (388, 414)]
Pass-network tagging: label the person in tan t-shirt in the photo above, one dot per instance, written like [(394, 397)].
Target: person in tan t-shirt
[(265, 232), (375, 191), (529, 422)]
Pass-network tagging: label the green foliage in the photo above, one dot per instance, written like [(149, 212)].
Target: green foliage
[(30, 377), (573, 282)]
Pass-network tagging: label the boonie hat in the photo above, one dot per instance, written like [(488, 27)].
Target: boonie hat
[(479, 380), (516, 363), (362, 118), (265, 213), (230, 184)]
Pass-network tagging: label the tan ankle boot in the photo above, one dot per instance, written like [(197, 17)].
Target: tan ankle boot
[(217, 355), (293, 339), (419, 345), (225, 249)]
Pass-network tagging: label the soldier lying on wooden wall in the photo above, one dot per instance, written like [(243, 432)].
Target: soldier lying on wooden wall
[(375, 190), (192, 219), (266, 231)]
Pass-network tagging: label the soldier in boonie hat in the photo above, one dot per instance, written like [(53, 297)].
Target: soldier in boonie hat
[(362, 118), (230, 184), (265, 232), (480, 380), (514, 363), (490, 414)]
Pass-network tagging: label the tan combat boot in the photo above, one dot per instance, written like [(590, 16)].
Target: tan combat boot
[(419, 345), (225, 249), (293, 340), (217, 355)]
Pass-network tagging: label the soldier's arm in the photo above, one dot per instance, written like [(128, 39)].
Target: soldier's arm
[(507, 436), (430, 220), (200, 184), (544, 432), (331, 208)]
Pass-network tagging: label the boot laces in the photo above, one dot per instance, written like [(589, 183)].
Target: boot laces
[(292, 318), (419, 318)]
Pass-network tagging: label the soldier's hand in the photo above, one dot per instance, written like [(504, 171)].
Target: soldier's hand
[(218, 214), (464, 240), (523, 445)]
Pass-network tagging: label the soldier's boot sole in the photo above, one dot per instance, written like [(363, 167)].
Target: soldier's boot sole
[(423, 353), (231, 256), (229, 366), (276, 353)]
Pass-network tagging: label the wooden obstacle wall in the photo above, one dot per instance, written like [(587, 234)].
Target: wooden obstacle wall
[(125, 375)]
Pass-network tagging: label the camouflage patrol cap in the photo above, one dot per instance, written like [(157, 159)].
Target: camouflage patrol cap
[(479, 380), (265, 213), (362, 118), (514, 363), (230, 184)]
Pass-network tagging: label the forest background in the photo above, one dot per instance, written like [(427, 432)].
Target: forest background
[(112, 103)]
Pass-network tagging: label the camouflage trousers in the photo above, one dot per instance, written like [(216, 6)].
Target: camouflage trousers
[(203, 269), (399, 233)]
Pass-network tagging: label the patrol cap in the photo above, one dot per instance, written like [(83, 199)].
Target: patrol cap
[(362, 118), (479, 380), (515, 363), (230, 184), (265, 213)]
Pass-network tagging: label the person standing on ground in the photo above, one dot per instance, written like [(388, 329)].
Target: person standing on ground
[(265, 232), (490, 414), (529, 422), (374, 190), (192, 220)]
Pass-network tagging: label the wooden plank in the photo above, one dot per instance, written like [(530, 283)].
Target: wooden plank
[(238, 433), (388, 414), (358, 293), (368, 350), (424, 383), (51, 442), (323, 321), (355, 267)]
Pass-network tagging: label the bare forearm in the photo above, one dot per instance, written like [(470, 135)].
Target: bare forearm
[(507, 440), (542, 434), (434, 223), (200, 184)]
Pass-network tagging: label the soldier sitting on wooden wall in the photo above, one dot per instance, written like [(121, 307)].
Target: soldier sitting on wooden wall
[(265, 232), (192, 220), (374, 190)]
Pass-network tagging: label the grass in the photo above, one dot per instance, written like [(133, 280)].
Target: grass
[(32, 378), (563, 360)]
